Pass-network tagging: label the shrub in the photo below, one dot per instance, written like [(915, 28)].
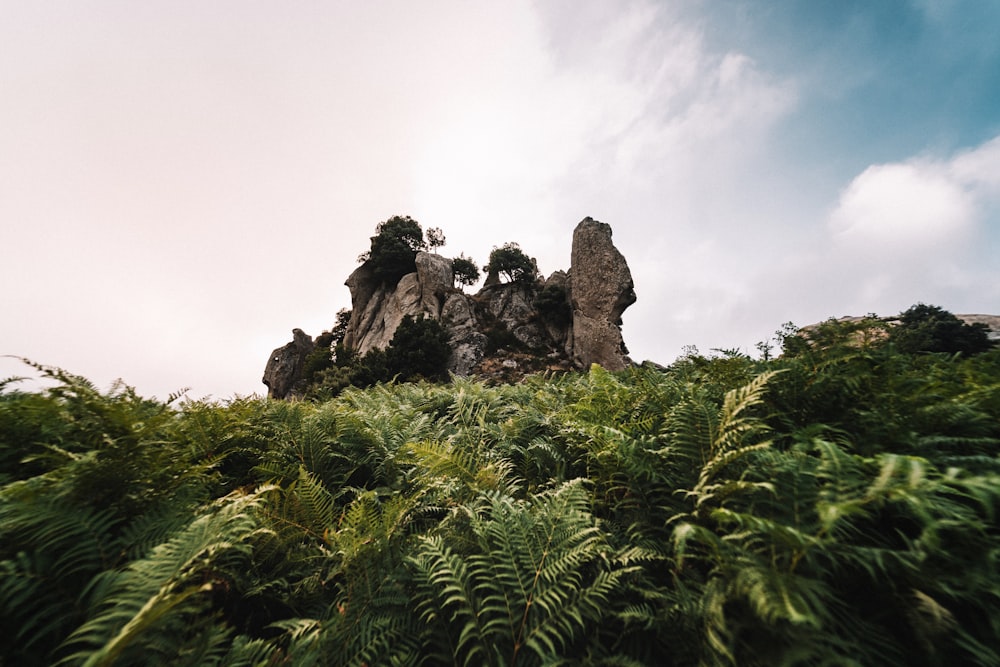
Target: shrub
[(510, 261), (552, 303), (926, 328), (419, 348), (499, 337), (464, 271)]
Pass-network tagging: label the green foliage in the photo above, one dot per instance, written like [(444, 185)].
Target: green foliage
[(327, 346), (340, 328), (836, 505), (500, 337), (510, 261), (394, 248), (435, 238), (925, 328), (464, 271), (317, 361), (535, 577), (419, 348)]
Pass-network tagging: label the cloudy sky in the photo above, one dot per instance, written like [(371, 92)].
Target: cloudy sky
[(182, 182)]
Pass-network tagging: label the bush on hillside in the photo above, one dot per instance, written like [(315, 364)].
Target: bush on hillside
[(419, 349), (553, 305), (924, 328)]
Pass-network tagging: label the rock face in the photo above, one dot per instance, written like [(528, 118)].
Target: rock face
[(377, 309), (571, 320), (601, 289), (283, 373)]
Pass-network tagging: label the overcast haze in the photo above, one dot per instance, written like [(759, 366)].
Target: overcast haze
[(182, 183)]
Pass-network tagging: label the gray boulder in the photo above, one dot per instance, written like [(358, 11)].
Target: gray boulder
[(283, 373), (468, 344)]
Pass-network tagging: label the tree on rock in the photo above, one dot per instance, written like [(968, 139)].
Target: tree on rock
[(510, 261), (394, 248), (464, 271), (435, 238)]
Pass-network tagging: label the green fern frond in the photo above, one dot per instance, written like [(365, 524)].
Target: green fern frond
[(446, 599), (735, 420), (690, 430), (538, 577), (172, 580), (316, 502), (50, 553)]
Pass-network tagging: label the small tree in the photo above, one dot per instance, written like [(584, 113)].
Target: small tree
[(394, 248), (327, 351), (419, 348), (435, 238), (510, 261), (464, 271), (340, 328)]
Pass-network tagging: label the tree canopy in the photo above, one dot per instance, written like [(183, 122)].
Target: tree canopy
[(464, 270), (394, 248), (511, 262), (924, 328)]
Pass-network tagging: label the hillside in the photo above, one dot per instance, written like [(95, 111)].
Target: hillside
[(837, 505)]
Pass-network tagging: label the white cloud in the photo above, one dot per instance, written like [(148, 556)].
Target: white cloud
[(903, 207), (899, 233), (922, 205), (979, 169)]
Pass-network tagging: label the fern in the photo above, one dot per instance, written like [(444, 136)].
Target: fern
[(537, 579), (142, 609), (50, 553)]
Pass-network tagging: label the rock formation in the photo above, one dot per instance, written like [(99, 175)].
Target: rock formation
[(377, 309), (283, 373), (600, 290), (571, 320)]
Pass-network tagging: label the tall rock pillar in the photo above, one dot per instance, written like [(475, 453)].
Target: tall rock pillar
[(601, 289)]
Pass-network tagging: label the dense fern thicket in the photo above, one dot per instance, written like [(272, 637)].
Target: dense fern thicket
[(835, 506)]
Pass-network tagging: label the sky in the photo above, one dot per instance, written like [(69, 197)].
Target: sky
[(184, 182)]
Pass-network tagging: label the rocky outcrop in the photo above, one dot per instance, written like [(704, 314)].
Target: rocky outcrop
[(571, 320), (377, 308), (600, 290), (283, 373)]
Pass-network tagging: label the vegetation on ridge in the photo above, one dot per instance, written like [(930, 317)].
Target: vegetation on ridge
[(395, 246), (511, 262), (835, 505)]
